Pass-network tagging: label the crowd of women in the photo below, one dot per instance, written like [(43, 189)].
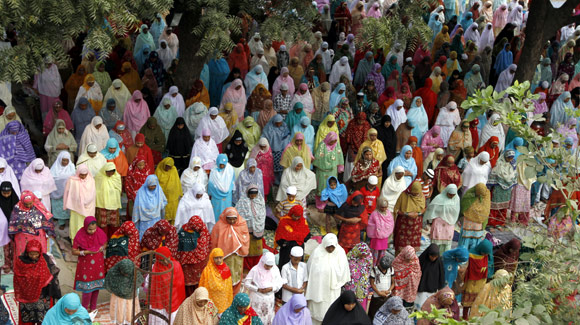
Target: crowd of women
[(372, 150)]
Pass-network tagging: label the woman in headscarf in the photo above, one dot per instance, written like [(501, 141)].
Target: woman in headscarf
[(193, 251), (235, 95), (500, 18), (442, 37), (37, 177), (91, 91), (252, 207), (330, 160), (8, 200), (299, 176), (387, 135), (442, 299), (354, 218), (112, 152), (494, 294), (420, 119), (123, 245), (59, 140), (321, 99), (206, 150), (476, 171), (136, 113), (492, 148), (445, 174), (161, 234), (253, 78), (236, 150), (263, 281), (417, 153), (198, 94), (364, 168), (305, 128), (458, 91), (407, 275), (154, 138), (346, 310), (251, 175), (448, 119), (150, 203), (179, 144), (166, 115), (393, 312), (9, 115), (405, 160), (82, 116), (67, 310), (265, 162), (193, 116), (505, 78), (72, 85), (432, 274), (119, 282), (57, 112), (451, 261), (171, 186), (432, 141), (95, 133), (479, 269), (137, 174), (61, 170), (221, 184), (520, 196), (89, 245), (328, 271), (161, 300), (296, 148), (194, 174), (256, 101), (215, 124), (409, 210), (130, 78), (238, 59), (286, 79), (120, 93), (378, 79), (240, 312), (558, 114), (459, 139), (295, 311), (102, 77), (278, 135), (110, 114), (198, 308), (216, 277), (443, 210), (108, 198), (360, 260), (80, 198), (390, 66), (35, 283), (475, 207)]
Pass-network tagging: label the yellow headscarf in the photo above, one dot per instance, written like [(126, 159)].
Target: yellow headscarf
[(230, 117), (323, 130), (250, 133), (292, 151), (108, 188), (171, 185), (377, 147), (411, 202), (220, 289)]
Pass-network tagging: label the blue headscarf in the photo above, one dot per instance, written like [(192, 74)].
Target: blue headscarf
[(451, 261), (467, 20), (219, 71), (558, 109), (504, 59), (58, 316), (142, 56), (335, 97), (337, 196), (418, 117), (82, 118), (435, 24), (232, 315), (407, 164), (157, 27), (293, 118), (111, 143), (149, 204), (516, 142), (278, 137), (485, 247), (308, 131)]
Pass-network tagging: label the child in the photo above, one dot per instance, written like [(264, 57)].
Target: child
[(382, 283), (333, 196), (381, 224), (468, 152), (427, 183), (295, 274), (371, 193), (354, 218), (283, 207)]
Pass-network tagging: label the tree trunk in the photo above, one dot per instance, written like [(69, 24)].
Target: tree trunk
[(543, 23), (190, 65)]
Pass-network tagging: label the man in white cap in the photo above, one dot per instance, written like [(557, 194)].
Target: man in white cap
[(282, 101), (284, 206), (295, 273), (93, 159), (371, 192)]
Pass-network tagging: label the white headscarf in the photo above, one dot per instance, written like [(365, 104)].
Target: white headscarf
[(505, 78), (189, 177), (217, 126), (487, 38), (49, 83), (91, 134), (61, 173), (304, 181), (121, 95), (398, 117), (340, 67), (393, 187), (8, 176), (176, 101), (448, 120), (444, 207), (516, 16), (489, 130), (206, 151), (471, 34), (190, 206), (475, 172)]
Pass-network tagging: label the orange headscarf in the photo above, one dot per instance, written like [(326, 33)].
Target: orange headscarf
[(417, 155), (218, 281), (231, 238)]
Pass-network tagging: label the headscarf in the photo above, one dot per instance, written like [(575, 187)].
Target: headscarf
[(340, 68), (179, 141), (166, 116), (8, 176), (385, 315), (61, 174), (253, 78), (86, 241), (57, 315), (217, 126), (476, 203), (30, 276), (49, 121), (223, 232), (398, 117), (444, 207), (120, 95), (407, 164), (278, 136), (432, 272), (505, 78), (130, 78), (136, 114), (292, 150), (304, 180), (360, 261), (407, 273), (193, 116), (337, 314), (197, 252), (429, 101), (190, 313), (109, 188), (217, 278), (489, 130), (161, 234), (337, 196), (558, 114), (149, 203), (111, 117), (236, 97), (451, 260), (154, 136), (233, 316), (189, 177), (160, 296), (7, 203), (287, 315), (485, 247), (493, 152), (190, 205)]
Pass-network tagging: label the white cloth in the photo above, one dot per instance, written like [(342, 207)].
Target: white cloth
[(472, 34), (489, 130), (475, 172), (260, 278), (48, 82), (189, 177), (176, 101), (398, 117), (304, 181), (393, 187), (306, 101), (61, 173), (218, 128), (222, 180), (294, 277), (91, 134), (487, 38), (165, 55), (516, 16), (190, 205), (447, 120), (338, 69), (326, 59), (505, 79), (42, 182), (327, 273), (206, 151), (93, 93), (8, 176), (121, 95)]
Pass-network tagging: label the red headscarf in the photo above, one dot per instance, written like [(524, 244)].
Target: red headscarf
[(474, 133), (356, 133), (201, 251), (161, 284), (28, 196), (30, 276), (161, 234), (446, 174), (429, 98), (493, 152), (238, 59), (136, 177), (407, 274), (92, 242), (128, 230), (293, 230)]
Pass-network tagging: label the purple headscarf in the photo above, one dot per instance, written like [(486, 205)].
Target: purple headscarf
[(378, 78), (541, 107), (286, 314), (15, 147)]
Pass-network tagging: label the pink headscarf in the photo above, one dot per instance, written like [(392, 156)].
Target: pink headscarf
[(136, 114), (237, 97), (263, 278), (429, 141), (575, 82), (330, 136), (283, 80), (84, 192), (50, 119), (541, 107), (92, 242), (380, 225), (500, 17), (375, 12)]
